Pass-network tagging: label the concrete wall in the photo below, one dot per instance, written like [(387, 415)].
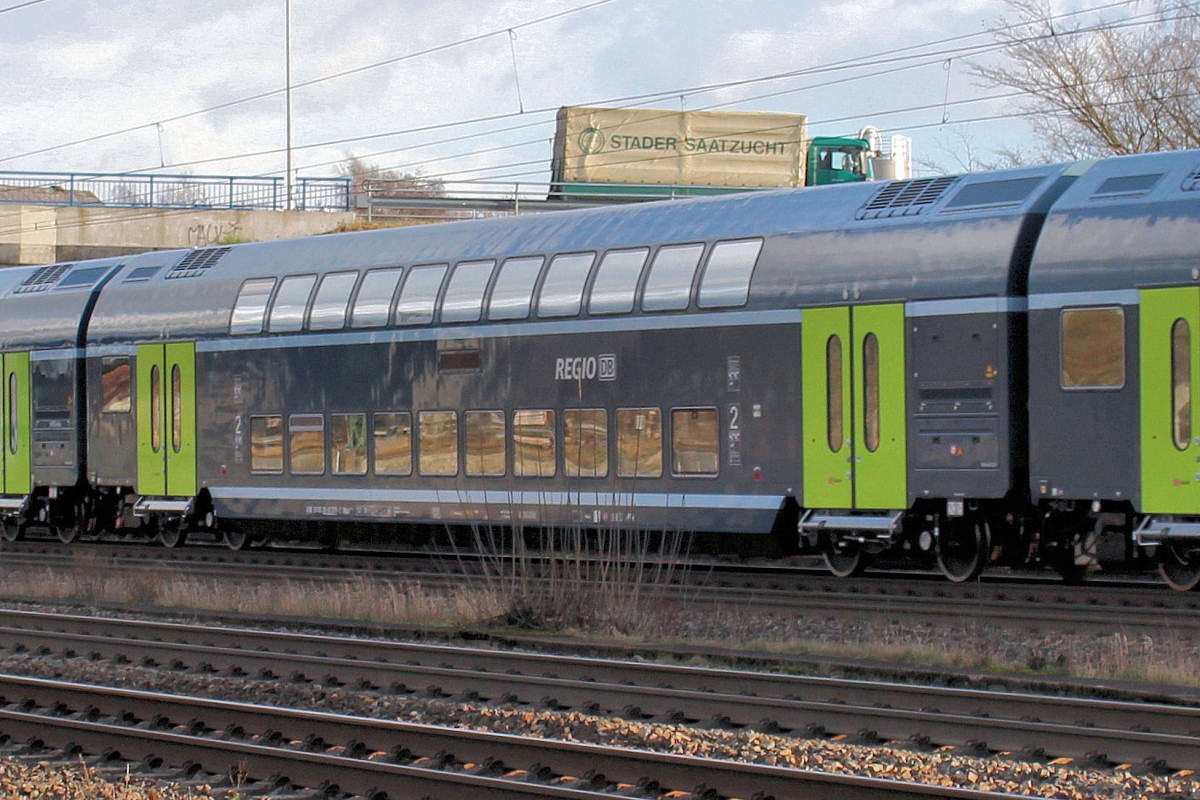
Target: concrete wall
[(46, 234)]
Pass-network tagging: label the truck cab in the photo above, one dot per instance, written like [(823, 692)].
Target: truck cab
[(838, 160)]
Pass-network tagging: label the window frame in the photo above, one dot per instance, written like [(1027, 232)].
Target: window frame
[(428, 303), (294, 428), (369, 276), (716, 452), (421, 444), (259, 314), (462, 300), (374, 454), (334, 468), (289, 322), (1062, 349), (560, 312), (722, 275), (282, 454), (608, 439), (519, 463), (637, 473), (612, 295), (109, 364), (468, 469), (514, 305), (673, 294), (316, 306)]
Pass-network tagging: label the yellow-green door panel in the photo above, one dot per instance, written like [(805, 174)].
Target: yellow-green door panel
[(1169, 327), (825, 408), (18, 425), (151, 421), (879, 408), (180, 373)]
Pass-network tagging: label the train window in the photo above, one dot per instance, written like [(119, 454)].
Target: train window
[(333, 297), (464, 295), (585, 443), (639, 443), (116, 385), (1181, 383), (833, 391), (437, 439), (513, 291), (616, 281), (870, 359), (393, 443), (562, 290), (374, 299), (266, 444), (485, 443), (533, 444), (1093, 348), (726, 280), (695, 441), (251, 306), (155, 408), (291, 301), (176, 409), (415, 306), (306, 444), (669, 287), (348, 435)]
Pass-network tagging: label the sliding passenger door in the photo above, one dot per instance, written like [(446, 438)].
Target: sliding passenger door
[(16, 426), (1169, 328), (166, 419), (855, 449)]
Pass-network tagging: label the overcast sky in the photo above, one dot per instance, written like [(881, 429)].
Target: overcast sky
[(76, 71)]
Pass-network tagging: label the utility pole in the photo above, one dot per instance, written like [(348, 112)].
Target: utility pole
[(287, 46)]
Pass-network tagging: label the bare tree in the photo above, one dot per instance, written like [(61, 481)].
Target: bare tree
[(1123, 86), (387, 182)]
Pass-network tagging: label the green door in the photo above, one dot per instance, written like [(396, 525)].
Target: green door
[(166, 419), (1168, 330), (16, 427), (853, 397)]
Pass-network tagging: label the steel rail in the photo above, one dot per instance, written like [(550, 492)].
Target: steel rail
[(1000, 721), (365, 776)]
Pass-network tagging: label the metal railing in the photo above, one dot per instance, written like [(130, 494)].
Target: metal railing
[(384, 200), (125, 190)]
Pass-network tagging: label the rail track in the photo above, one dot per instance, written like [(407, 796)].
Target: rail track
[(1154, 736), (1024, 601)]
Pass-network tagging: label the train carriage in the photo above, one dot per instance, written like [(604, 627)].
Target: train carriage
[(970, 369), (1114, 315)]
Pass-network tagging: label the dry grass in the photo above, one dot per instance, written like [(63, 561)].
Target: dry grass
[(618, 586)]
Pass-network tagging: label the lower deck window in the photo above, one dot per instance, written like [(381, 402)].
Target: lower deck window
[(349, 443), (639, 443), (533, 444), (485, 443), (393, 443), (306, 444), (694, 441), (585, 443), (266, 444), (437, 438)]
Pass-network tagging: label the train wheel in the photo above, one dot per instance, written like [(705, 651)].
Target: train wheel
[(12, 531), (962, 549), (1179, 566), (172, 535), (843, 558), (236, 539)]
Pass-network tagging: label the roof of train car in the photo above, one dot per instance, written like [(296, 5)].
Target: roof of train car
[(821, 245), (42, 307), (1127, 222)]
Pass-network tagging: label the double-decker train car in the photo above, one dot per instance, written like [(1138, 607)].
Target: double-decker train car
[(951, 367)]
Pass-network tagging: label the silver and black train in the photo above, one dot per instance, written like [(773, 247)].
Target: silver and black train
[(979, 369)]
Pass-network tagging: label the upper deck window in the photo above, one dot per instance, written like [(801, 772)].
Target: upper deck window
[(415, 306), (514, 288), (374, 299), (726, 280), (333, 298), (562, 290), (616, 281), (251, 306), (291, 301), (669, 287), (464, 296)]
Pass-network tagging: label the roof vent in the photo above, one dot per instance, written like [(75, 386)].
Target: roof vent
[(1126, 186), (197, 262), (906, 198), (43, 279), (1192, 182)]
